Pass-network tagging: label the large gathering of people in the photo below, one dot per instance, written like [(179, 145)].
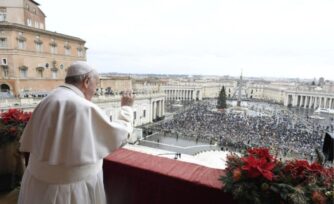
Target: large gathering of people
[(288, 132)]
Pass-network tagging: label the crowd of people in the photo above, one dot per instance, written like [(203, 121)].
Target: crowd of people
[(262, 124)]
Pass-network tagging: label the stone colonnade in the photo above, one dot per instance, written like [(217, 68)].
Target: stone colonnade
[(183, 94), (311, 101), (158, 109)]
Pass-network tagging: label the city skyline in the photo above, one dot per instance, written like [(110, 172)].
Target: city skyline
[(285, 39)]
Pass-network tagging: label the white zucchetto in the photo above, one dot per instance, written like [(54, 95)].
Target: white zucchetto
[(79, 68)]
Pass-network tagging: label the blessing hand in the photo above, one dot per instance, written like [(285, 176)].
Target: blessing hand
[(127, 98)]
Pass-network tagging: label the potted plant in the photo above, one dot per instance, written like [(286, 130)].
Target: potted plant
[(258, 177), (12, 123)]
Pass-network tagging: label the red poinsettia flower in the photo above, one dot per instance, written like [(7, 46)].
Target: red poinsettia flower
[(328, 175), (297, 168), (12, 123), (317, 169), (260, 153), (15, 116), (256, 167)]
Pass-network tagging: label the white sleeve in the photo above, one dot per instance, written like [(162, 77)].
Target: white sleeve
[(125, 118)]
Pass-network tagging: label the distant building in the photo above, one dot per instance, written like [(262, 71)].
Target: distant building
[(321, 81), (32, 59)]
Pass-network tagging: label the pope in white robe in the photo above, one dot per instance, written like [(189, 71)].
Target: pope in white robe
[(67, 138)]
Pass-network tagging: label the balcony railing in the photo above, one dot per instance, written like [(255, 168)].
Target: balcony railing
[(131, 177)]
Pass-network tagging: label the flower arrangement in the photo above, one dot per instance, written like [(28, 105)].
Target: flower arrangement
[(12, 123), (258, 177)]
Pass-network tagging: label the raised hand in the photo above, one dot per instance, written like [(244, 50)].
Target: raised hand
[(127, 98)]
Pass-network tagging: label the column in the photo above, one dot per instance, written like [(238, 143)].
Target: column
[(286, 100), (304, 101), (327, 103), (307, 101), (312, 102), (154, 110), (294, 100), (159, 108), (322, 102)]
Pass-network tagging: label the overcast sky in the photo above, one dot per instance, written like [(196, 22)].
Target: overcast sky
[(281, 38)]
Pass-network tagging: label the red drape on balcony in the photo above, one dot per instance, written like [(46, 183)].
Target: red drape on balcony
[(134, 178)]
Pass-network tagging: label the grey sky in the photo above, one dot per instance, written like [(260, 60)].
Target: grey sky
[(281, 38)]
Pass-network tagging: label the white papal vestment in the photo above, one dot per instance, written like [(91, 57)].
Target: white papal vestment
[(68, 137)]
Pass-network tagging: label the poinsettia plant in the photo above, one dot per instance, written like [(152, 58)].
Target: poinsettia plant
[(12, 123), (259, 177)]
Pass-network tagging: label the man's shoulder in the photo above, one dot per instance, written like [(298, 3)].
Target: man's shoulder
[(65, 97)]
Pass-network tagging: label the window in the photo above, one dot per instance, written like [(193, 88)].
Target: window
[(21, 41), (80, 54), (22, 44), (4, 61), (134, 115), (3, 42), (41, 26), (144, 113), (54, 74), (67, 48), (23, 72), (40, 73), (80, 51), (53, 49), (29, 22), (3, 14), (67, 51), (36, 24), (53, 46), (39, 47), (38, 44)]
